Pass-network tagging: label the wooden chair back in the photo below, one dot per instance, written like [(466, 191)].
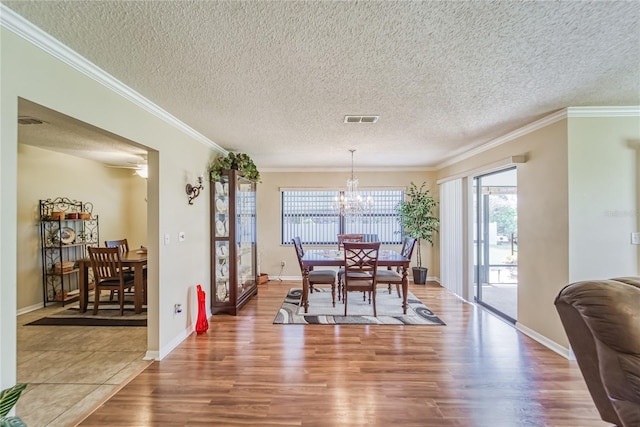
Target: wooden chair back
[(107, 270), (407, 247), (106, 263), (361, 257), (361, 264), (343, 238), (122, 244), (297, 244)]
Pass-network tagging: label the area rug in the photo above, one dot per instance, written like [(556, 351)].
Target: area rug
[(108, 315), (321, 311)]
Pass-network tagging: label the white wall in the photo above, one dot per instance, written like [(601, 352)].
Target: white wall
[(28, 72), (603, 203), (135, 215)]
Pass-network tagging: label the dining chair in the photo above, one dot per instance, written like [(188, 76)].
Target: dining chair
[(106, 264), (394, 277), (123, 245), (360, 264), (316, 277), (342, 238)]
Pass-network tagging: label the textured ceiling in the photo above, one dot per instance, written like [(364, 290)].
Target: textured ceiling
[(275, 79), (67, 135)]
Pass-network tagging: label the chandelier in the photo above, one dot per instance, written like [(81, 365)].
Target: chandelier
[(351, 203)]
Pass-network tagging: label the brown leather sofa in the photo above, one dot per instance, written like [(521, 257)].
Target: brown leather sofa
[(602, 321)]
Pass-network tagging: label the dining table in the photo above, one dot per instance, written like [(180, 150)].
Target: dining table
[(136, 260), (335, 258)]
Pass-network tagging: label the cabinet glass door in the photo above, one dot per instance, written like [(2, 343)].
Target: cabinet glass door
[(246, 234), (221, 233)]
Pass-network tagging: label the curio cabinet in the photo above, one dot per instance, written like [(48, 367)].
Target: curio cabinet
[(233, 242)]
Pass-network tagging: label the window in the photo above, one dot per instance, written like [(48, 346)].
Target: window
[(312, 215)]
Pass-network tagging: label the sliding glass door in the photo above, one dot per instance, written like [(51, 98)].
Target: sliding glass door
[(496, 242)]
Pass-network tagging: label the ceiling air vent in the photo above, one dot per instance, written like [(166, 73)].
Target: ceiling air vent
[(361, 119), (27, 120)]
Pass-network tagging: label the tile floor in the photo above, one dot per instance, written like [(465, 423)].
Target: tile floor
[(70, 370)]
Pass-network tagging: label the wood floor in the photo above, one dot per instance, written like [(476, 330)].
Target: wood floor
[(245, 371)]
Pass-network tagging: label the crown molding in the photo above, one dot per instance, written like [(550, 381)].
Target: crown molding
[(570, 112), (358, 170), (34, 35), (538, 124), (624, 111)]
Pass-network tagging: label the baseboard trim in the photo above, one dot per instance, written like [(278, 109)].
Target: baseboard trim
[(151, 355), (164, 351), (29, 309), (552, 345), (294, 278), (281, 278)]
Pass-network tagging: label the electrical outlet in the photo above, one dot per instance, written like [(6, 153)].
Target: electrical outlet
[(283, 263), (177, 308)]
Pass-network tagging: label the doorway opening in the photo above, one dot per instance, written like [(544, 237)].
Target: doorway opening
[(60, 156), (495, 199)]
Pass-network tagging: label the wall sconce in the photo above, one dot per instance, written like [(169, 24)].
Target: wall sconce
[(193, 191)]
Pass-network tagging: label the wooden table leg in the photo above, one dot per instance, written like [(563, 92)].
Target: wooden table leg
[(405, 289), (137, 287), (305, 289), (83, 285)]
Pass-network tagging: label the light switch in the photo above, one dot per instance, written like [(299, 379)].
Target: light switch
[(181, 236), (167, 239), (635, 238)]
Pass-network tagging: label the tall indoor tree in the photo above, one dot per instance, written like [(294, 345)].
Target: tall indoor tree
[(416, 216)]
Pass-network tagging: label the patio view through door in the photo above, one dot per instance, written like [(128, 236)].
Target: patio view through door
[(496, 242)]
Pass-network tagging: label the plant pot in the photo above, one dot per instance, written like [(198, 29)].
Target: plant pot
[(420, 275)]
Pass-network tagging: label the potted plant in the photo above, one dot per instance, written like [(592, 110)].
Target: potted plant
[(417, 220), (237, 161), (8, 399)]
